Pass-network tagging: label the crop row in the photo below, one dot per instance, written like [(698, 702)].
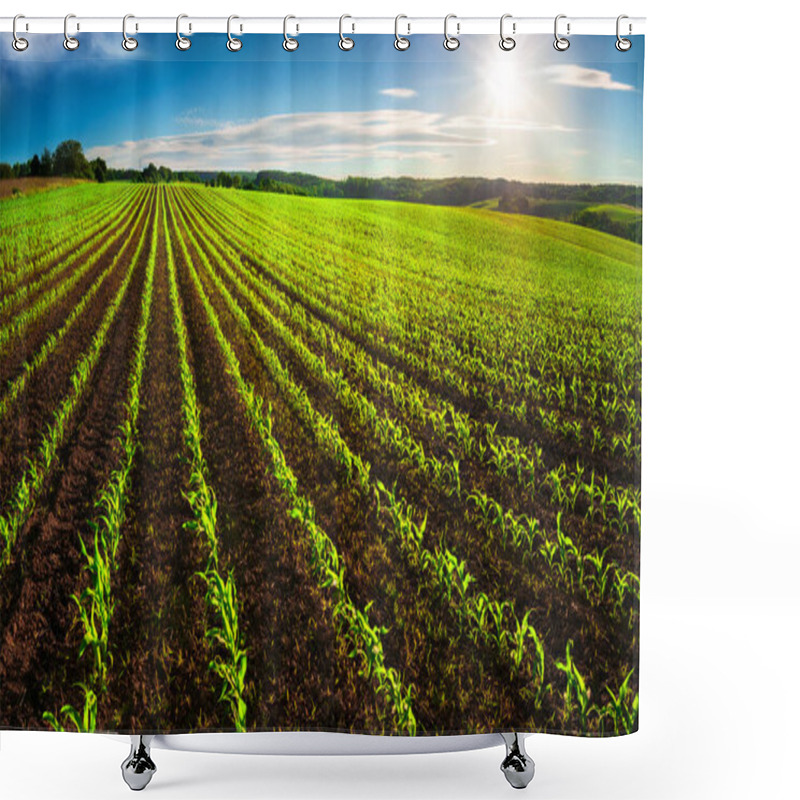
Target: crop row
[(56, 259), (391, 434), (96, 602), (352, 622), (485, 623), (480, 366), (61, 288), (39, 228), (393, 343), (26, 492), (221, 597)]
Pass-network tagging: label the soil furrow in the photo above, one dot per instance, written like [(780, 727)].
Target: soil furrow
[(456, 683), (160, 679), (38, 669), (299, 670), (20, 432)]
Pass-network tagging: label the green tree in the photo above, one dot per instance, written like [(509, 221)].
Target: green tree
[(150, 173), (69, 160), (47, 163), (99, 170)]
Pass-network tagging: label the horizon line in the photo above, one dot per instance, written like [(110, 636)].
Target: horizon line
[(392, 177)]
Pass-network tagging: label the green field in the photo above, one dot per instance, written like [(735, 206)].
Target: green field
[(563, 209), (617, 212), (345, 464)]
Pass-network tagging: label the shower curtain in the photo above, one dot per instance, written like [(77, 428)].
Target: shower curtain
[(320, 374)]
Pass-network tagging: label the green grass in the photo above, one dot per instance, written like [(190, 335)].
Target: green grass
[(617, 212), (490, 204)]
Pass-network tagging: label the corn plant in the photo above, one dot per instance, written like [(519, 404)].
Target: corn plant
[(95, 602), (29, 487), (577, 697), (623, 710), (221, 597), (364, 638), (83, 721)]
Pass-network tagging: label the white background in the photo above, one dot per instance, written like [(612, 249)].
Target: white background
[(720, 554)]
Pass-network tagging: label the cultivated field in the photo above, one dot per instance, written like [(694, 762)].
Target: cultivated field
[(276, 462)]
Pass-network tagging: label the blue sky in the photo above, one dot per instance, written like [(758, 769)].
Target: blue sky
[(533, 114)]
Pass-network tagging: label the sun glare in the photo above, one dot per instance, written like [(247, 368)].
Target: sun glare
[(507, 89)]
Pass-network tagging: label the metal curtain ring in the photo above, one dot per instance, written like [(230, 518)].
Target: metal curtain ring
[(400, 42), (19, 44), (70, 42), (561, 43), (622, 44), (345, 42), (450, 42), (234, 44), (181, 42), (506, 42), (128, 42), (289, 44)]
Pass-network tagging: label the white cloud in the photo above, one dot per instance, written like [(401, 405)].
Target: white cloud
[(334, 138), (488, 124), (585, 78), (404, 94)]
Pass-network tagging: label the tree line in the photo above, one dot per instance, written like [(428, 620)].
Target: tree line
[(67, 160), (458, 191)]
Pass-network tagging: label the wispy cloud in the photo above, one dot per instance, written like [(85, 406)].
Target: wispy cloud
[(585, 78), (333, 138), (197, 119), (492, 124), (403, 94)]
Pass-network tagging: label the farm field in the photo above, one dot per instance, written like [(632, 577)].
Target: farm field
[(273, 462)]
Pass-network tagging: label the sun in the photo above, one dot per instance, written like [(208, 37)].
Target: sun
[(508, 86)]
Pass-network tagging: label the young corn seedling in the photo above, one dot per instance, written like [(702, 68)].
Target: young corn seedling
[(84, 721), (576, 389), (602, 571), (577, 696), (623, 710), (518, 643), (95, 609), (221, 597), (462, 431), (598, 440)]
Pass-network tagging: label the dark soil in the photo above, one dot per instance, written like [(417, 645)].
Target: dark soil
[(39, 645), (159, 681), (299, 675), (22, 426)]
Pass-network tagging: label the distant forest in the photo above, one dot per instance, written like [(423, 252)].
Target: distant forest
[(568, 202)]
